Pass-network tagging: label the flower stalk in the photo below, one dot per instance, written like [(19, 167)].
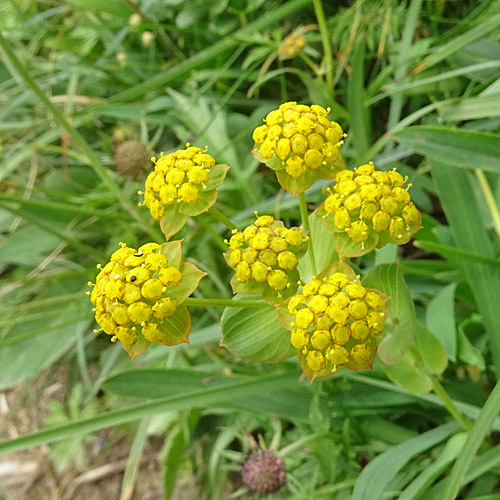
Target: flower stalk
[(305, 221)]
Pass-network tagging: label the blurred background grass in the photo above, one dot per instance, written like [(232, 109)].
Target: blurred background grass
[(124, 80)]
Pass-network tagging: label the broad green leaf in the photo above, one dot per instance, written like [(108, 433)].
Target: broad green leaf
[(376, 476), (177, 327), (408, 374), (173, 221), (172, 250), (191, 277), (471, 234), (470, 109), (431, 350), (401, 321), (346, 247), (456, 147), (205, 202), (136, 349), (466, 352), (217, 175), (324, 248), (256, 335), (440, 319)]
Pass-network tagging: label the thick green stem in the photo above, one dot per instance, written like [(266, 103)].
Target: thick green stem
[(222, 218), (305, 222), (226, 303), (325, 40), (448, 403)]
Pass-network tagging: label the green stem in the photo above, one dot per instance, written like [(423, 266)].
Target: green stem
[(222, 218), (226, 303), (490, 199), (325, 40), (448, 403), (101, 171), (305, 221)]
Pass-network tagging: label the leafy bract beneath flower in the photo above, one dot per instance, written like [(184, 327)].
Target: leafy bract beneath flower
[(301, 144), (265, 257), (367, 209), (183, 184), (334, 322), (139, 294)]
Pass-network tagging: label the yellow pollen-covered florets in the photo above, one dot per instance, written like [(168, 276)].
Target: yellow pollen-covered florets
[(266, 252), (177, 178), (336, 321), (297, 138), (366, 203), (131, 294)]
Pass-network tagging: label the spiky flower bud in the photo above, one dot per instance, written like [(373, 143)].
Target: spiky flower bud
[(301, 144), (262, 472), (131, 158)]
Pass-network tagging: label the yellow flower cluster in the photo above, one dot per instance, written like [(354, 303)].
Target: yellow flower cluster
[(131, 294), (298, 137), (177, 178), (261, 252), (335, 320), (367, 201)]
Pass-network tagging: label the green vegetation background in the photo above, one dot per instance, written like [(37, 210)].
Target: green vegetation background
[(415, 84)]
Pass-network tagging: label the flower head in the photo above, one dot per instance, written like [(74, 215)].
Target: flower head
[(292, 45), (183, 184), (262, 472), (335, 324), (300, 143), (138, 292), (371, 208), (265, 257)]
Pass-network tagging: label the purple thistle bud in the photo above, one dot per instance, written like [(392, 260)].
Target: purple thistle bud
[(262, 472)]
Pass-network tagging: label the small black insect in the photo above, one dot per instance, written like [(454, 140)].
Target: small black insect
[(133, 278)]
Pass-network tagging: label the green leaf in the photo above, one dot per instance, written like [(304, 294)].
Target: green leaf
[(431, 350), (173, 221), (324, 248), (177, 327), (136, 349), (377, 475), (206, 200), (455, 147), (470, 233), (408, 374), (255, 335), (401, 322), (172, 250), (217, 175), (440, 319), (348, 248), (186, 400), (191, 277), (466, 352)]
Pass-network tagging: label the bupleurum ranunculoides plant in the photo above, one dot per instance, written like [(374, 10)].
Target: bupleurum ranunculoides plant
[(138, 296), (301, 144), (328, 316), (182, 185)]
